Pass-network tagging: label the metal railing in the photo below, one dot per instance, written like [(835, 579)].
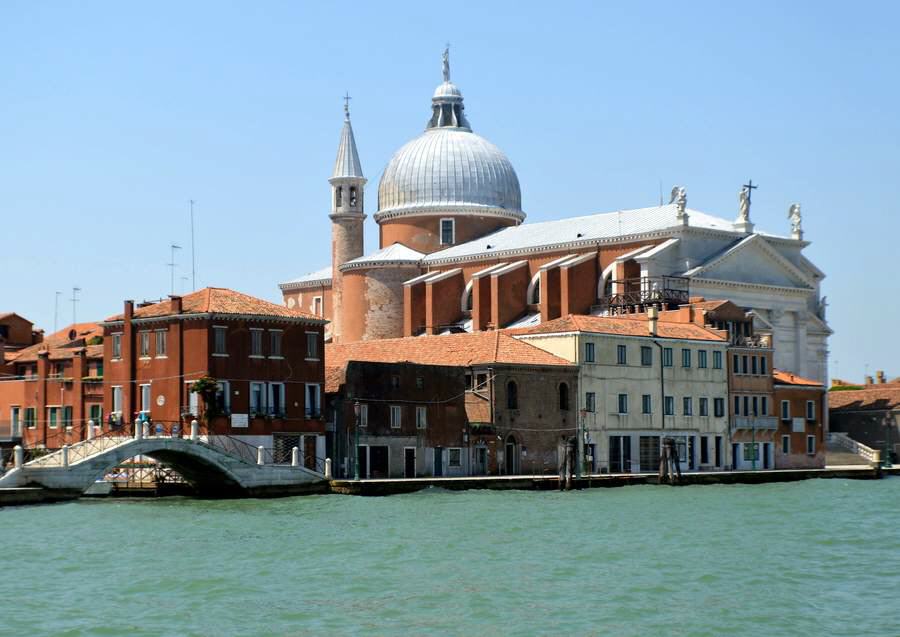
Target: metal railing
[(763, 423)]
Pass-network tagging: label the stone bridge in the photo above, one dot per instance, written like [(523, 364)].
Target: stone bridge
[(213, 468)]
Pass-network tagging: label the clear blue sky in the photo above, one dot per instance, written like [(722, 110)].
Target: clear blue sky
[(113, 115)]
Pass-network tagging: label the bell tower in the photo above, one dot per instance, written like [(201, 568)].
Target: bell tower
[(347, 216)]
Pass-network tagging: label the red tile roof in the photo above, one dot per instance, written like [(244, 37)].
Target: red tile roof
[(461, 350), (220, 301), (872, 398), (787, 378), (621, 326), (62, 344)]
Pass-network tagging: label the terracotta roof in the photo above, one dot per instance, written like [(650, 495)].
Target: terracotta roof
[(334, 376), (620, 326), (872, 398), (787, 378), (461, 350), (219, 301), (61, 344)]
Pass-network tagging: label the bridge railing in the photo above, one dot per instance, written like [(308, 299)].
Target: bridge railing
[(843, 440), (86, 448)]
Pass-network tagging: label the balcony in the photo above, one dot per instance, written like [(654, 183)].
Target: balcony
[(626, 296), (759, 423), (761, 341)]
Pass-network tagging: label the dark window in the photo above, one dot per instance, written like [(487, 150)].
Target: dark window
[(512, 395), (590, 401), (685, 358), (468, 381), (395, 382), (646, 404), (704, 406), (447, 231), (717, 360), (688, 406), (621, 355), (589, 353), (763, 365), (623, 403), (701, 359), (646, 356), (667, 357), (753, 365), (736, 363), (745, 368), (704, 450), (669, 407), (810, 410), (420, 382), (737, 405), (564, 397)]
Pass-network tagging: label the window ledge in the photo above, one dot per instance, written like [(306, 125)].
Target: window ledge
[(216, 355), (144, 358), (256, 356), (276, 358), (163, 356), (313, 360)]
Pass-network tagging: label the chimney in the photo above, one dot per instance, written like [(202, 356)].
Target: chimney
[(129, 310), (175, 302), (880, 376), (869, 380), (652, 320)]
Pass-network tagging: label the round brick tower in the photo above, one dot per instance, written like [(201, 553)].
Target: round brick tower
[(347, 216)]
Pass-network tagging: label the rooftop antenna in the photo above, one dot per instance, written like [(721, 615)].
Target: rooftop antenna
[(56, 312), (74, 299), (660, 194), (173, 247), (193, 257)]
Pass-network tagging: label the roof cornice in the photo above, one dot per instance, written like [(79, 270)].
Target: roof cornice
[(217, 317), (461, 210)]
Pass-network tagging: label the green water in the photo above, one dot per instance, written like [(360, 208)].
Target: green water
[(820, 557)]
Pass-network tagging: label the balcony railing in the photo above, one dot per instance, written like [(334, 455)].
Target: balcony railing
[(757, 340), (668, 291), (767, 423)]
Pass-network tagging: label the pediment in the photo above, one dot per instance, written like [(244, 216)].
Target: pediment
[(753, 261)]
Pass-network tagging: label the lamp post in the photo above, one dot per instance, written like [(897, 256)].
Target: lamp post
[(356, 443), (579, 444), (886, 463)]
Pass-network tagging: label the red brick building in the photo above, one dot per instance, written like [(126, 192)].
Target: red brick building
[(519, 400), (802, 406), (265, 359), (50, 390)]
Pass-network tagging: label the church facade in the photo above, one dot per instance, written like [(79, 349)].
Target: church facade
[(455, 253)]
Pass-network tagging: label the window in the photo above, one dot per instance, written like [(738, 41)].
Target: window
[(764, 406), (746, 405), (701, 358), (623, 403), (512, 395), (396, 417), (352, 196), (646, 404), (754, 366), (669, 406), (313, 408), (276, 399), (454, 457), (685, 358), (736, 363), (687, 406), (589, 353), (117, 345), (811, 445), (144, 341), (258, 399), (317, 306), (667, 357), (96, 415), (563, 397), (256, 336), (161, 343), (219, 333), (717, 360), (785, 444), (744, 364), (14, 420), (590, 401), (646, 356), (67, 417), (468, 381), (420, 382), (785, 410), (53, 417), (756, 405), (363, 415), (751, 451), (421, 417), (338, 197), (763, 365), (312, 345), (275, 343), (222, 399), (704, 450), (30, 420), (737, 405), (145, 399), (704, 406), (448, 231), (810, 410), (117, 399), (621, 355), (719, 407), (395, 381)]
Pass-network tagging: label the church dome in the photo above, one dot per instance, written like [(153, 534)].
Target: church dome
[(449, 169)]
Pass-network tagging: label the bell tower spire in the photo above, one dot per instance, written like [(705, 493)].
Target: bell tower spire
[(347, 214)]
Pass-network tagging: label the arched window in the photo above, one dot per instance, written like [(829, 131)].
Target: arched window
[(564, 397), (467, 297), (352, 196), (534, 290), (338, 197), (512, 395)]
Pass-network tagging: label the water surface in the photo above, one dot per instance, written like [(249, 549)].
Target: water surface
[(820, 557)]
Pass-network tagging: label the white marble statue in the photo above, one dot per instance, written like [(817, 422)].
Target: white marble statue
[(796, 221), (744, 198)]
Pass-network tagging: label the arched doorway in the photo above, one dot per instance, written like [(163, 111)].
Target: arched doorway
[(511, 455)]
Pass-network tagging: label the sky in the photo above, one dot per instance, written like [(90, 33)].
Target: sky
[(114, 115)]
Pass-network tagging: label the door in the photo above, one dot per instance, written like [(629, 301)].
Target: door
[(511, 456), (481, 461), (409, 462), (438, 462), (362, 452), (767, 449), (735, 458), (378, 461), (718, 451), (309, 452)]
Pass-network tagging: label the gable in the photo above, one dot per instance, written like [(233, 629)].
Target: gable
[(754, 262)]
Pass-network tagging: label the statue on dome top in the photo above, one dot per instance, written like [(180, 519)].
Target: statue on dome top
[(446, 63)]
